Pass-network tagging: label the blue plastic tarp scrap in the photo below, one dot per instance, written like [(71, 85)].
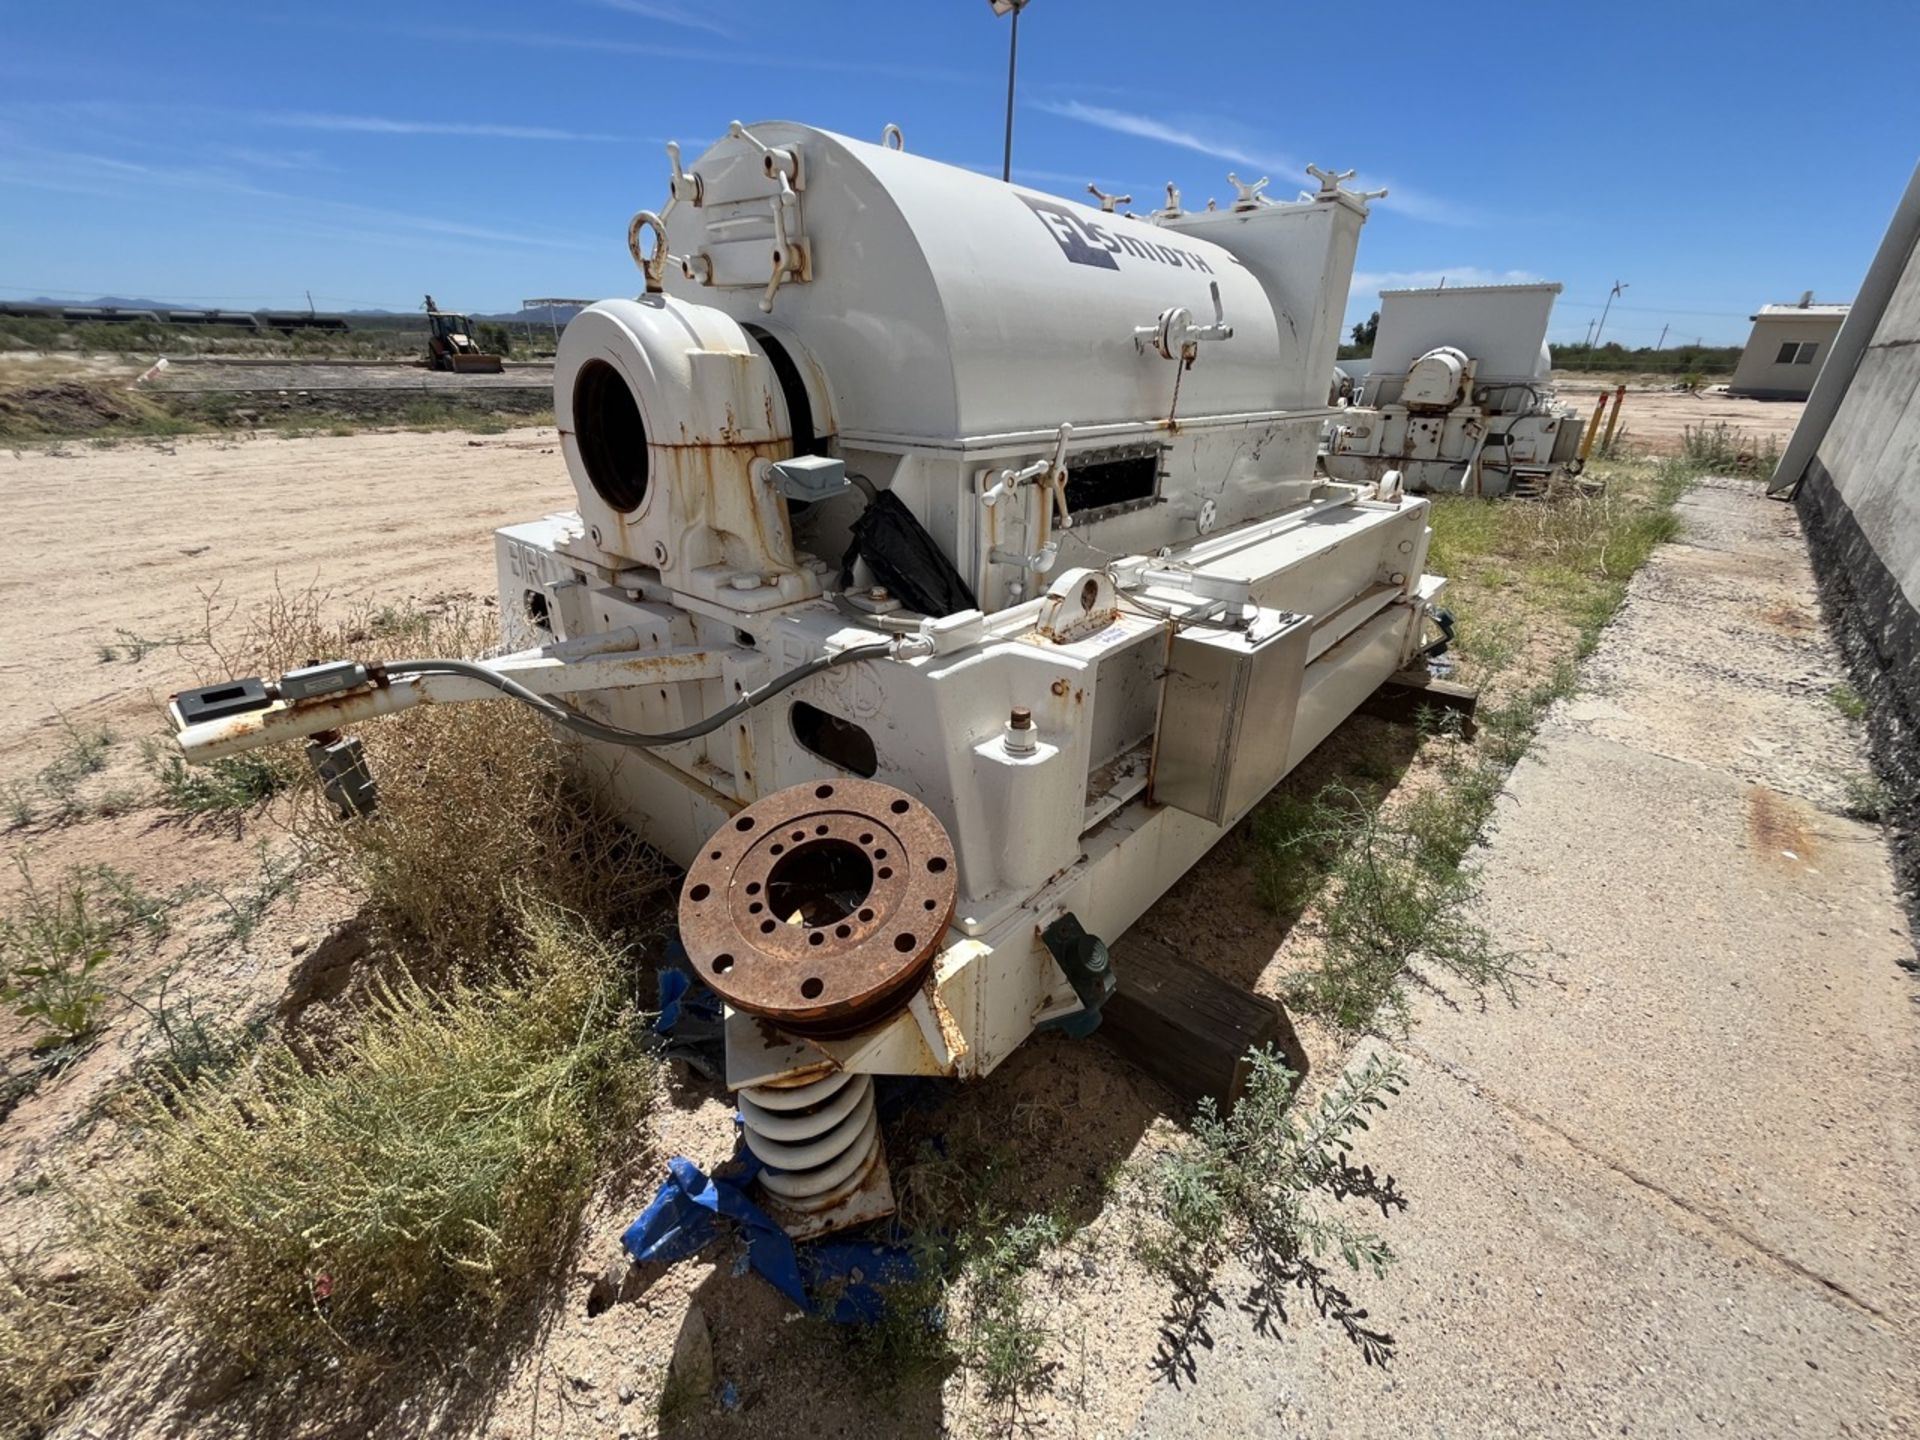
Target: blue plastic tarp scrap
[(691, 1024), (692, 1209)]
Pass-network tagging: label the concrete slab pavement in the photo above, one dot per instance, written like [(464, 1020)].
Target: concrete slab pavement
[(1675, 1189)]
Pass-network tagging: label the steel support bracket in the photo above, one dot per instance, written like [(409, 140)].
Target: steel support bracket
[(1084, 960), (341, 764)]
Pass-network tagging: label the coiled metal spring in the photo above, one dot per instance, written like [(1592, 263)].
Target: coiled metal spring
[(819, 1141)]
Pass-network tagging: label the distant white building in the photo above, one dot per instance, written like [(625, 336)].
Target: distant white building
[(1788, 346)]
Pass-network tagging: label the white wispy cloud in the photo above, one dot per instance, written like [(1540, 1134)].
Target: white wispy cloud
[(107, 176), (1185, 137), (1075, 179), (1374, 281), (666, 15), (1213, 139), (725, 57), (388, 125), (249, 157)]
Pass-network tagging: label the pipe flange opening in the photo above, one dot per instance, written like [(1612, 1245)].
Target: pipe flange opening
[(821, 907)]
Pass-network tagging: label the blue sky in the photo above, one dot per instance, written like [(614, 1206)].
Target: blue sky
[(1714, 154)]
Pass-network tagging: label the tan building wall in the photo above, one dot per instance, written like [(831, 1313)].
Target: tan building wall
[(1769, 369)]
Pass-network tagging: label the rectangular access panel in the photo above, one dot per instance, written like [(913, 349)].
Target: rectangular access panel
[(1226, 715)]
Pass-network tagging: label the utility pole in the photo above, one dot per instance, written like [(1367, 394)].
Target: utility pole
[(1013, 8), (309, 304), (1663, 339), (1588, 342), (1618, 286)]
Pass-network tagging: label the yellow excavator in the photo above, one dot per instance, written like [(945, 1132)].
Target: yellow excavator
[(451, 346)]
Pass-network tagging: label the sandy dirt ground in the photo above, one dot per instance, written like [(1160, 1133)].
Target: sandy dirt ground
[(138, 539), (1655, 420), (243, 375)]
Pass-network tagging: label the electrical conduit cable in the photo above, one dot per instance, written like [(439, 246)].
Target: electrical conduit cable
[(613, 734)]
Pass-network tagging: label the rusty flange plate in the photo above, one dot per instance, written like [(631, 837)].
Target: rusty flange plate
[(821, 906)]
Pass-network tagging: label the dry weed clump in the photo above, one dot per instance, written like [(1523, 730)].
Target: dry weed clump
[(432, 1165), (434, 1169), (479, 803), (58, 1329)]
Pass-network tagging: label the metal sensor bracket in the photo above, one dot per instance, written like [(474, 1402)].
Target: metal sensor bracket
[(327, 679), (811, 477), (217, 702), (342, 768)]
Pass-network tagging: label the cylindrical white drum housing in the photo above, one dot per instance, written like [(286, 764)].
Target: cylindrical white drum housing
[(939, 331), (944, 304)]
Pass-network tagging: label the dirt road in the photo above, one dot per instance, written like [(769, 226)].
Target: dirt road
[(103, 543)]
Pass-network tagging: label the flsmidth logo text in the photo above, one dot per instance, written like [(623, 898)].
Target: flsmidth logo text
[(1088, 242)]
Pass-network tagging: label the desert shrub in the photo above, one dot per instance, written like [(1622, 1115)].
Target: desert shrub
[(1848, 701), (1396, 896), (1004, 1337), (1254, 1185), (494, 338), (982, 1302), (434, 1169), (59, 1324), (232, 784), (58, 939), (1570, 555), (479, 804), (1724, 449), (1868, 797), (188, 1040)]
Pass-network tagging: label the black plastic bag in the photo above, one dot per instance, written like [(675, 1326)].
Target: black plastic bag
[(904, 558)]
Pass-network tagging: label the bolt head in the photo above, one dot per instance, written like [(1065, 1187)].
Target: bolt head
[(1021, 718), (878, 592)]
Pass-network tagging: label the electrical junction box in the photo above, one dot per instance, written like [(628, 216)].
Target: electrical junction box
[(1226, 718), (811, 477)]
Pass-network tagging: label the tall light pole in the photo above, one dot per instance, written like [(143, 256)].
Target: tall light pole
[(1618, 286), (1013, 8)]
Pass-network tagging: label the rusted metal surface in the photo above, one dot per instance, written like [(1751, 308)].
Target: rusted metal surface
[(867, 1198), (821, 907)]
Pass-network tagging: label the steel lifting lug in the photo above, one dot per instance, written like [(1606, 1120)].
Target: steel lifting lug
[(653, 266)]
